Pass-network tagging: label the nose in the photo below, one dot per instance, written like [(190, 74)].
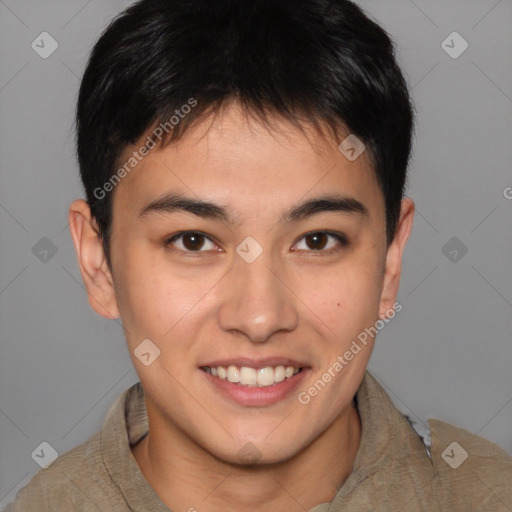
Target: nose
[(257, 301)]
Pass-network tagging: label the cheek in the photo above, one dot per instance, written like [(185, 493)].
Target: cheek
[(147, 301), (156, 304), (159, 302), (344, 298)]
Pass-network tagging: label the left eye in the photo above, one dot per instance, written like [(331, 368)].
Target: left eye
[(194, 241), (319, 239)]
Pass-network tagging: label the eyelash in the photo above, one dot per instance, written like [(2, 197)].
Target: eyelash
[(342, 240)]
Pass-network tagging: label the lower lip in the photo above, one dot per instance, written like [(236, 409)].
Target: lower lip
[(255, 396)]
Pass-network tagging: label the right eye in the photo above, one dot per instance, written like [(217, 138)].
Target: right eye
[(189, 241)]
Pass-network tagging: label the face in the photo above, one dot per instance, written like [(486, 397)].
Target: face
[(249, 284)]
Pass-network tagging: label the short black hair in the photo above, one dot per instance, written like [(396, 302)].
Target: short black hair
[(322, 62)]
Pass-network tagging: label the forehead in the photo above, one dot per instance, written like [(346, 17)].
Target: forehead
[(239, 161)]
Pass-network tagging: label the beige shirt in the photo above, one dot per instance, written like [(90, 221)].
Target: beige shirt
[(392, 470)]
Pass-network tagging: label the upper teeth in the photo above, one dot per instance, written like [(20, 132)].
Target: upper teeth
[(251, 376)]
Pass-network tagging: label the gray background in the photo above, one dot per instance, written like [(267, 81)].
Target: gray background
[(447, 354)]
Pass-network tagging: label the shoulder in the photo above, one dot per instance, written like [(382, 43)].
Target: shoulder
[(471, 471), (70, 483)]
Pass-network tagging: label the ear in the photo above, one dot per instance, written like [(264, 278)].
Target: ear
[(91, 260), (394, 255)]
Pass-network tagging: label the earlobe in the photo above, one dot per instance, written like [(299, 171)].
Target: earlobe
[(91, 260), (394, 257)]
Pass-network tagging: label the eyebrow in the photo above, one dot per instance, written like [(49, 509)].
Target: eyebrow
[(174, 202)]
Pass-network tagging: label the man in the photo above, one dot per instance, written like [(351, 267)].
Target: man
[(244, 167)]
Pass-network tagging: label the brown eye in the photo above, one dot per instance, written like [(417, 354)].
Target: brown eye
[(319, 240), (193, 241), (190, 241)]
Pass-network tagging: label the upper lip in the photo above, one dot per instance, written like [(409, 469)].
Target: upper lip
[(251, 362)]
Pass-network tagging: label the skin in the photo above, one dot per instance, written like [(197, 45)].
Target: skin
[(292, 301)]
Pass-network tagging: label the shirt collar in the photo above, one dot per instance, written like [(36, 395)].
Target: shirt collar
[(386, 434)]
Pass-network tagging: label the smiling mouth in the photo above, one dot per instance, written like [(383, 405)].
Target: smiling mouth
[(253, 377)]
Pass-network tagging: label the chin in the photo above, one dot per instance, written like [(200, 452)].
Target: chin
[(254, 454)]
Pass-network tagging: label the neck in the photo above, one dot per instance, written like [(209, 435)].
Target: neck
[(189, 478)]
